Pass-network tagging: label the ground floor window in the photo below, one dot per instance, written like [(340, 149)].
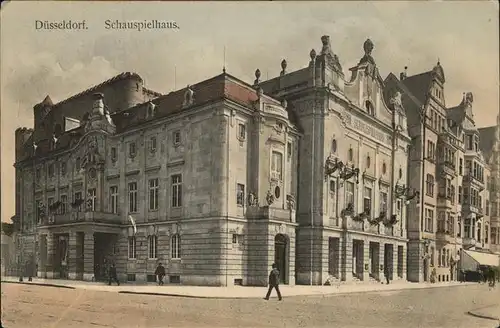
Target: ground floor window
[(152, 246), (132, 254)]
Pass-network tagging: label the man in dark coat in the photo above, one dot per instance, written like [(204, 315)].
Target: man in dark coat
[(387, 274), (112, 275), (274, 280), (160, 272)]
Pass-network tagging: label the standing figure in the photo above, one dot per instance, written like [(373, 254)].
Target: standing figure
[(274, 280), (112, 275), (387, 274), (160, 272)]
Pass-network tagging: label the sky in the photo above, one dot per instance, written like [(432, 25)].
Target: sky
[(34, 63)]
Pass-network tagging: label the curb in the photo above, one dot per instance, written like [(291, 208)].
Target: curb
[(477, 314), (37, 284), (185, 296)]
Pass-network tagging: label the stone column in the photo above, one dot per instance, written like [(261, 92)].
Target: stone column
[(381, 262), (346, 257), (88, 256), (73, 256), (51, 248)]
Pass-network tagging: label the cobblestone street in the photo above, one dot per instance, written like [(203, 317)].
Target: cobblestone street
[(28, 306)]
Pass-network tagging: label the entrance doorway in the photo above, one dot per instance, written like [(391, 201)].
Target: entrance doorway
[(280, 256), (103, 254), (389, 259), (357, 258), (334, 256), (374, 260)]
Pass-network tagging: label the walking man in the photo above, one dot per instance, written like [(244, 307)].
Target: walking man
[(112, 275), (387, 274), (274, 280), (160, 272)]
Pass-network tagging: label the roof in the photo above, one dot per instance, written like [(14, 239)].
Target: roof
[(487, 138), (419, 85)]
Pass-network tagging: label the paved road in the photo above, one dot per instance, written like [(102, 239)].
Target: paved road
[(30, 306)]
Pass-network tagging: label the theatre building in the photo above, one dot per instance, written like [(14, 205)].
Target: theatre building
[(352, 191), (208, 173)]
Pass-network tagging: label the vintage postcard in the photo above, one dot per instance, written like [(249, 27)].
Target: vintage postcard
[(250, 164)]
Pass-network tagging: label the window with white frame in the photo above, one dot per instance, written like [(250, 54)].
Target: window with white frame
[(240, 194), (92, 199), (152, 246), (132, 151), (176, 137), (132, 252), (132, 197), (242, 131), (367, 201), (152, 144), (64, 204), (113, 199), (276, 165), (175, 246), (153, 194), (429, 190), (429, 220), (349, 193), (176, 190)]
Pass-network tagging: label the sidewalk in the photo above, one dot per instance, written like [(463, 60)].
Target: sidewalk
[(234, 291)]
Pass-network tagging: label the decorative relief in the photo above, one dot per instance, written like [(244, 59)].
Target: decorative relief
[(269, 198), (252, 199)]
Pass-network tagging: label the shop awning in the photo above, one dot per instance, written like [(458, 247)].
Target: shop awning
[(482, 258)]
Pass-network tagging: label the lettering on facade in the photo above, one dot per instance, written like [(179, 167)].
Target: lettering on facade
[(366, 129)]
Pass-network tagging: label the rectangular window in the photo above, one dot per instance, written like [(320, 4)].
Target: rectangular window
[(77, 199), (240, 194), (469, 142), (132, 252), (429, 185), (153, 194), (50, 201), (461, 167), (132, 197), (467, 227), (63, 168), (333, 187), (64, 204), (176, 190), (383, 202), (349, 193), (176, 137), (175, 246), (289, 150), (242, 131), (131, 149), (152, 246), (276, 165), (92, 199), (429, 220), (114, 154), (367, 201), (113, 199), (152, 144), (460, 194), (51, 170)]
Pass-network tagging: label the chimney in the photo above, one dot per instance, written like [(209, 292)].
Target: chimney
[(403, 75)]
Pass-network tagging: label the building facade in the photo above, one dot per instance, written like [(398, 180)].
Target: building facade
[(449, 170), (352, 169), (490, 146), (207, 175)]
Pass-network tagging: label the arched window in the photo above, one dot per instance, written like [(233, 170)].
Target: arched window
[(351, 155), (175, 246), (334, 146), (368, 161), (384, 168)]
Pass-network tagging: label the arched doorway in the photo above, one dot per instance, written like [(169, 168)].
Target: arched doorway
[(281, 256)]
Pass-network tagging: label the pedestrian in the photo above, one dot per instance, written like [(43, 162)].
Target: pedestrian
[(274, 280), (387, 273), (160, 272), (112, 275)]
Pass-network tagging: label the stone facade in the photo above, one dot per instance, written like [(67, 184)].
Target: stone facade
[(208, 174), (352, 169)]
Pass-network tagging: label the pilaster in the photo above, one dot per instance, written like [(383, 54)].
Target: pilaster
[(73, 256), (49, 264), (366, 257), (88, 256), (346, 258)]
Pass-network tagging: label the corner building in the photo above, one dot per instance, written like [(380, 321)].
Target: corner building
[(208, 173), (352, 190)]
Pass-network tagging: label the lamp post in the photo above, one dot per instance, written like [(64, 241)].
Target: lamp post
[(313, 59)]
